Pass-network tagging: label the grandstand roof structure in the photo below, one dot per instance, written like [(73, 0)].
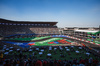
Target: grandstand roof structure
[(89, 31), (92, 31), (27, 22)]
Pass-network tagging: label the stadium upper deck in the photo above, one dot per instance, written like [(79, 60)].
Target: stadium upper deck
[(9, 22)]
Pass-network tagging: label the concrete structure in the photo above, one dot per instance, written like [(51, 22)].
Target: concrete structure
[(80, 32)]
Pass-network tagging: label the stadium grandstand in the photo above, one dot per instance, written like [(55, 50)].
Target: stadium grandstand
[(8, 27)]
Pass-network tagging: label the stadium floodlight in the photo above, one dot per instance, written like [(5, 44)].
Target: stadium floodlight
[(29, 24), (3, 23), (14, 24), (6, 23), (18, 24), (22, 24), (10, 24), (25, 24)]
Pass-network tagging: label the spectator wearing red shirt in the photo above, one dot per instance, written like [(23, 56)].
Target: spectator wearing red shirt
[(44, 63), (38, 63)]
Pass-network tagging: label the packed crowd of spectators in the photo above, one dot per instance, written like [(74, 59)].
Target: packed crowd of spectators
[(25, 60), (10, 30), (45, 30), (49, 62)]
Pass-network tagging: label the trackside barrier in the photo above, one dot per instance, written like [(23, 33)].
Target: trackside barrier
[(83, 44), (89, 41), (83, 40), (93, 43)]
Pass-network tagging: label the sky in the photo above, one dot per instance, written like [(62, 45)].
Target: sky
[(68, 13)]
